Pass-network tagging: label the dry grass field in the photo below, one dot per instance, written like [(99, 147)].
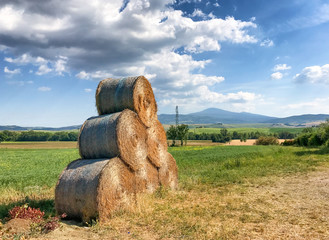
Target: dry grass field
[(294, 207), (225, 192)]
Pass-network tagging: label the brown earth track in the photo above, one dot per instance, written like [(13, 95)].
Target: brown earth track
[(39, 145)]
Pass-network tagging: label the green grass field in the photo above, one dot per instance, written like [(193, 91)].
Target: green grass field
[(25, 173)]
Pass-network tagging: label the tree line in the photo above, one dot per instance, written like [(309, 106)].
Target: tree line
[(225, 136), (312, 136), (13, 136), (181, 133)]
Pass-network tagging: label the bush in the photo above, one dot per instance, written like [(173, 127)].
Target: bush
[(26, 212), (327, 143), (302, 140), (289, 142), (37, 217), (267, 141), (315, 140)]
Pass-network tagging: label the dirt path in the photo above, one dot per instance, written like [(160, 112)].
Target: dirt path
[(293, 208)]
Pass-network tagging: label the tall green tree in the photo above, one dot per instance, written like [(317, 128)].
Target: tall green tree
[(182, 131), (172, 134)]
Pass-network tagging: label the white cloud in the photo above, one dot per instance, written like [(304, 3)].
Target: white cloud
[(10, 18), (98, 75), (276, 75), (198, 13), (11, 72), (60, 65), (43, 69), (267, 43), (202, 97), (216, 5), (314, 74), (316, 106), (88, 90), (19, 83), (86, 38), (83, 75), (86, 33), (313, 17), (281, 67), (44, 66), (44, 89)]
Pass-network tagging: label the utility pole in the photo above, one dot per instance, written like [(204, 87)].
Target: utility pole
[(177, 116)]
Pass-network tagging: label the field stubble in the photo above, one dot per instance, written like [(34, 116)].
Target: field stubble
[(226, 192)]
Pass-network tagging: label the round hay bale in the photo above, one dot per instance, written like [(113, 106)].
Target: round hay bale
[(134, 93), (157, 144), (118, 134), (94, 188), (147, 179), (168, 173)]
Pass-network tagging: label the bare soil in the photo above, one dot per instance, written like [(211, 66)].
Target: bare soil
[(38, 145), (249, 142)]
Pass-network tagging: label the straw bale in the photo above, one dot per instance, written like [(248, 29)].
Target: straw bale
[(147, 179), (157, 144), (168, 173), (94, 188), (118, 134), (134, 93)]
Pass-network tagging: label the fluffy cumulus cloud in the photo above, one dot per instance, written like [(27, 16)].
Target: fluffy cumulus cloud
[(281, 67), (266, 42), (204, 97), (11, 72), (99, 39), (44, 66), (314, 74), (276, 76)]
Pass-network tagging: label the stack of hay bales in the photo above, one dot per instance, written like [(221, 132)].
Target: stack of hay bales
[(123, 152)]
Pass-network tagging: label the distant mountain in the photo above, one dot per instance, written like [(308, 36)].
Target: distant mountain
[(300, 119), (214, 115), (207, 116), (18, 128)]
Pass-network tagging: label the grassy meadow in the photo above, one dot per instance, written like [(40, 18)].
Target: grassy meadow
[(217, 196)]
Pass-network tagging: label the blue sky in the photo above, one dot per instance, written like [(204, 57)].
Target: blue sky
[(259, 56)]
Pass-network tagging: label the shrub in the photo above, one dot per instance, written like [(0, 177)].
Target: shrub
[(267, 141), (288, 142), (302, 140), (315, 140), (36, 215), (327, 143), (26, 212)]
